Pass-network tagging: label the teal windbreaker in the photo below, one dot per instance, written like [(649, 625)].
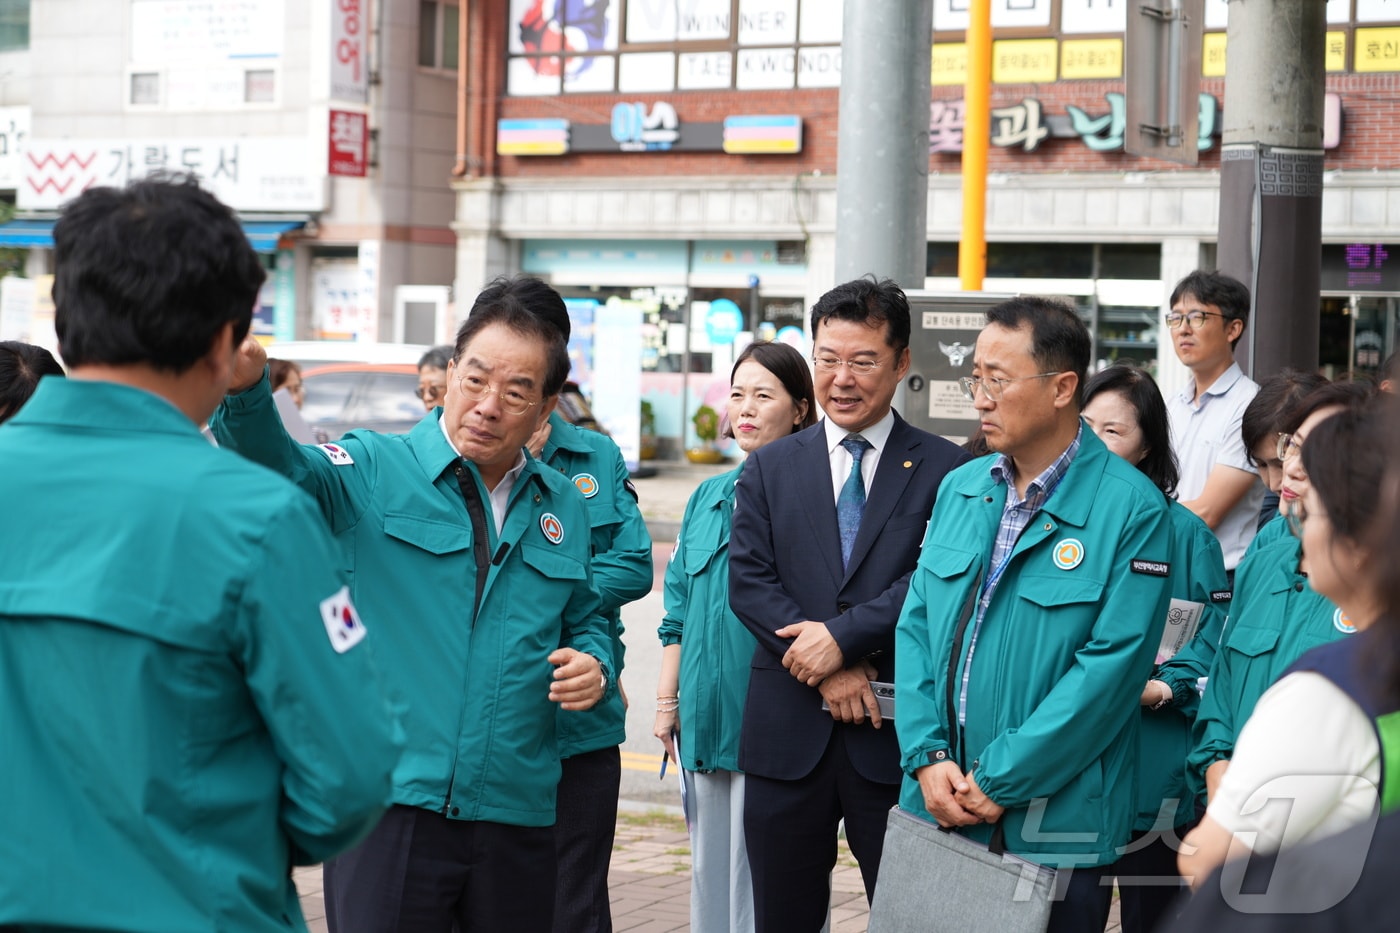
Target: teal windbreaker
[(621, 556), (186, 709), (473, 689), (1061, 656), (716, 648)]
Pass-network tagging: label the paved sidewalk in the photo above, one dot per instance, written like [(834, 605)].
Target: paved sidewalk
[(649, 879)]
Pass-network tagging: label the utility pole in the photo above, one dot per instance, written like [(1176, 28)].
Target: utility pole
[(1271, 177), (882, 147), (977, 136)]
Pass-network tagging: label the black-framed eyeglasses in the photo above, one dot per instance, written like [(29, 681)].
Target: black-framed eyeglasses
[(993, 388), (1194, 318), (476, 389)]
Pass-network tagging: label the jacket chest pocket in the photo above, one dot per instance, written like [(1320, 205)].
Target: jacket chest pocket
[(946, 563), (552, 568), (1252, 641), (427, 534), (698, 560), (1069, 604)]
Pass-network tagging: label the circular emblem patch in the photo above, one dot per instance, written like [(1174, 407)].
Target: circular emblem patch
[(587, 484), (1069, 553), (1341, 623), (553, 528)]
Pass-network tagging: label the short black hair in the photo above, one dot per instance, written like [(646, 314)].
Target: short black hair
[(437, 357), (149, 274), (22, 365), (508, 312), (1140, 390), (1263, 417), (792, 371), (867, 300), (1230, 295), (1059, 340), (532, 294)]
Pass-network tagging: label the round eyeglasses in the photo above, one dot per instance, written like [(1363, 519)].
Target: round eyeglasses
[(476, 389), (994, 388)]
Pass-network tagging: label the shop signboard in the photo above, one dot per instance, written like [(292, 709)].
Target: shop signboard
[(14, 139), (349, 69), (348, 143), (638, 126), (246, 173)]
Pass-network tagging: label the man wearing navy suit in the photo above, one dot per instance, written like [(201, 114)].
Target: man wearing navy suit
[(827, 528)]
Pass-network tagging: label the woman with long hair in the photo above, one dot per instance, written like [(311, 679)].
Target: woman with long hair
[(706, 654)]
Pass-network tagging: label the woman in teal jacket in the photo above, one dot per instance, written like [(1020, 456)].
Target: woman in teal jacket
[(1276, 617), (1124, 408), (701, 689)]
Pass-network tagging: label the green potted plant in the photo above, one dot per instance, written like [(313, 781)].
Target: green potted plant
[(706, 421), (647, 442)]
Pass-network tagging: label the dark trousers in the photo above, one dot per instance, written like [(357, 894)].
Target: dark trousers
[(1149, 887), (419, 872), (790, 828), (1084, 896), (583, 839)]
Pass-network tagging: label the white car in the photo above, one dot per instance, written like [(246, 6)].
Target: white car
[(310, 353)]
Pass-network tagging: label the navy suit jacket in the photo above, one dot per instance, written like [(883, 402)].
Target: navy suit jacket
[(785, 567)]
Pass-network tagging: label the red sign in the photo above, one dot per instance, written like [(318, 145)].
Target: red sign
[(349, 143)]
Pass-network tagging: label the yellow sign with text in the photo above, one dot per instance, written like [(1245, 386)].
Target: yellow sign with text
[(949, 64), (1378, 49), (1024, 61), (1091, 58), (1213, 55), (1337, 51)]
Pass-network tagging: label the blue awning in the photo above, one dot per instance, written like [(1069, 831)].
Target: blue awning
[(27, 234), (264, 234), (38, 234)]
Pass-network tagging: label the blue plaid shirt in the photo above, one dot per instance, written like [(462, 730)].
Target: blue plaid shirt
[(1014, 518)]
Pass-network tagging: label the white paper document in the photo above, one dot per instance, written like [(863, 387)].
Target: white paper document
[(1183, 618)]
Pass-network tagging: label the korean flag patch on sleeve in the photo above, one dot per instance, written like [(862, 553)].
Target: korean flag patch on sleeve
[(336, 454), (342, 622)]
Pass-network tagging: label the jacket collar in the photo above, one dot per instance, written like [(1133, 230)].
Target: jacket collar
[(1074, 498), (90, 403), (434, 454), (562, 436)]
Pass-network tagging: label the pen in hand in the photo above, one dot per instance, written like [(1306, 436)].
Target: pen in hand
[(664, 758)]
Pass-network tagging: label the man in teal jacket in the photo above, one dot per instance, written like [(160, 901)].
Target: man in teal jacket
[(1033, 619), (474, 560), (188, 702)]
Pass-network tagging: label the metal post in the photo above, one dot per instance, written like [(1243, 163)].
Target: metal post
[(1271, 177), (977, 133), (882, 147)]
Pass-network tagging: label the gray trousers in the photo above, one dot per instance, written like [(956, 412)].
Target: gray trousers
[(721, 891)]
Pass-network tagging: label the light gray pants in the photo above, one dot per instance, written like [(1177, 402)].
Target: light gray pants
[(721, 891)]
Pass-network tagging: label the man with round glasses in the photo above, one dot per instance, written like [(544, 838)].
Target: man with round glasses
[(1209, 312), (472, 560)]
